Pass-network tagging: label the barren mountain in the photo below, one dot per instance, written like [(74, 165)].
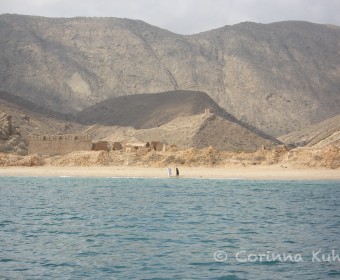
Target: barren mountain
[(197, 131), (33, 119), (174, 118), (204, 130), (24, 104), (317, 136), (153, 110), (277, 77), (150, 110)]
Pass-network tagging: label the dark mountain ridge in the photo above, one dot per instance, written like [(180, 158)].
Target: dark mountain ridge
[(30, 106), (143, 111)]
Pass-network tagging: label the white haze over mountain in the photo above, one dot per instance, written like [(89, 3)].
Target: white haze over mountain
[(183, 16)]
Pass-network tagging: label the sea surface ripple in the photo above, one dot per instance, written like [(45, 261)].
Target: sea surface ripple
[(111, 228)]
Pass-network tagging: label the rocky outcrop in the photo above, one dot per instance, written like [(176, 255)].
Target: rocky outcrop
[(10, 139), (328, 157), (318, 135), (277, 77), (6, 128)]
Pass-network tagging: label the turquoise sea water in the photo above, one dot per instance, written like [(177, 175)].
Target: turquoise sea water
[(88, 228)]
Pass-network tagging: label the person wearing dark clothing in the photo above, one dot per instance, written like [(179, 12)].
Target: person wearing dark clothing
[(177, 172)]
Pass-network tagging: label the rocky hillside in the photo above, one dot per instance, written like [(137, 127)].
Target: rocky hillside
[(185, 118), (198, 131), (277, 77), (206, 130), (150, 110), (10, 138), (319, 135), (24, 104), (140, 118), (33, 119), (153, 110)]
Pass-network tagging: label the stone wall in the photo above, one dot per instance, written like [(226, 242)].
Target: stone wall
[(157, 146), (100, 146), (133, 147), (148, 146), (58, 144), (117, 146)]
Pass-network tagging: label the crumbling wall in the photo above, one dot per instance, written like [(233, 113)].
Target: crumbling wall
[(117, 146), (58, 144), (100, 146), (133, 147), (157, 146), (148, 146)]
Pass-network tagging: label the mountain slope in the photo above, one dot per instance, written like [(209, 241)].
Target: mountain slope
[(319, 135), (33, 119), (30, 106), (150, 110), (277, 77), (197, 131), (153, 110), (159, 117), (206, 130)]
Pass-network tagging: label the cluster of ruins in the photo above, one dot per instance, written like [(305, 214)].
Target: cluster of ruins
[(67, 143)]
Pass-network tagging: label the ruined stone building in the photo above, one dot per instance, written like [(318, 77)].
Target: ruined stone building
[(58, 144), (148, 146), (100, 146)]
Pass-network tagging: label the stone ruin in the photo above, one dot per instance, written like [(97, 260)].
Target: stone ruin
[(100, 146), (157, 146), (148, 146), (68, 143), (133, 147), (117, 146), (58, 144)]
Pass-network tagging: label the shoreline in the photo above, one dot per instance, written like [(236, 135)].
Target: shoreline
[(231, 173)]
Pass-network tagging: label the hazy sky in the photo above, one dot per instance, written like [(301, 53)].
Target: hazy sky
[(183, 16)]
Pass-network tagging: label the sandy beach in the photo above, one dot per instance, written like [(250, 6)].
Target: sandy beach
[(253, 173)]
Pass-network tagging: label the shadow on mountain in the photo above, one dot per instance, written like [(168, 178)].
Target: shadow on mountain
[(30, 106), (143, 111)]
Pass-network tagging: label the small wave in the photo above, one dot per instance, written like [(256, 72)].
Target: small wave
[(7, 260), (5, 223), (229, 277), (333, 272)]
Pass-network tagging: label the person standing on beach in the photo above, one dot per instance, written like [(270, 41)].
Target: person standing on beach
[(177, 172), (169, 172)]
